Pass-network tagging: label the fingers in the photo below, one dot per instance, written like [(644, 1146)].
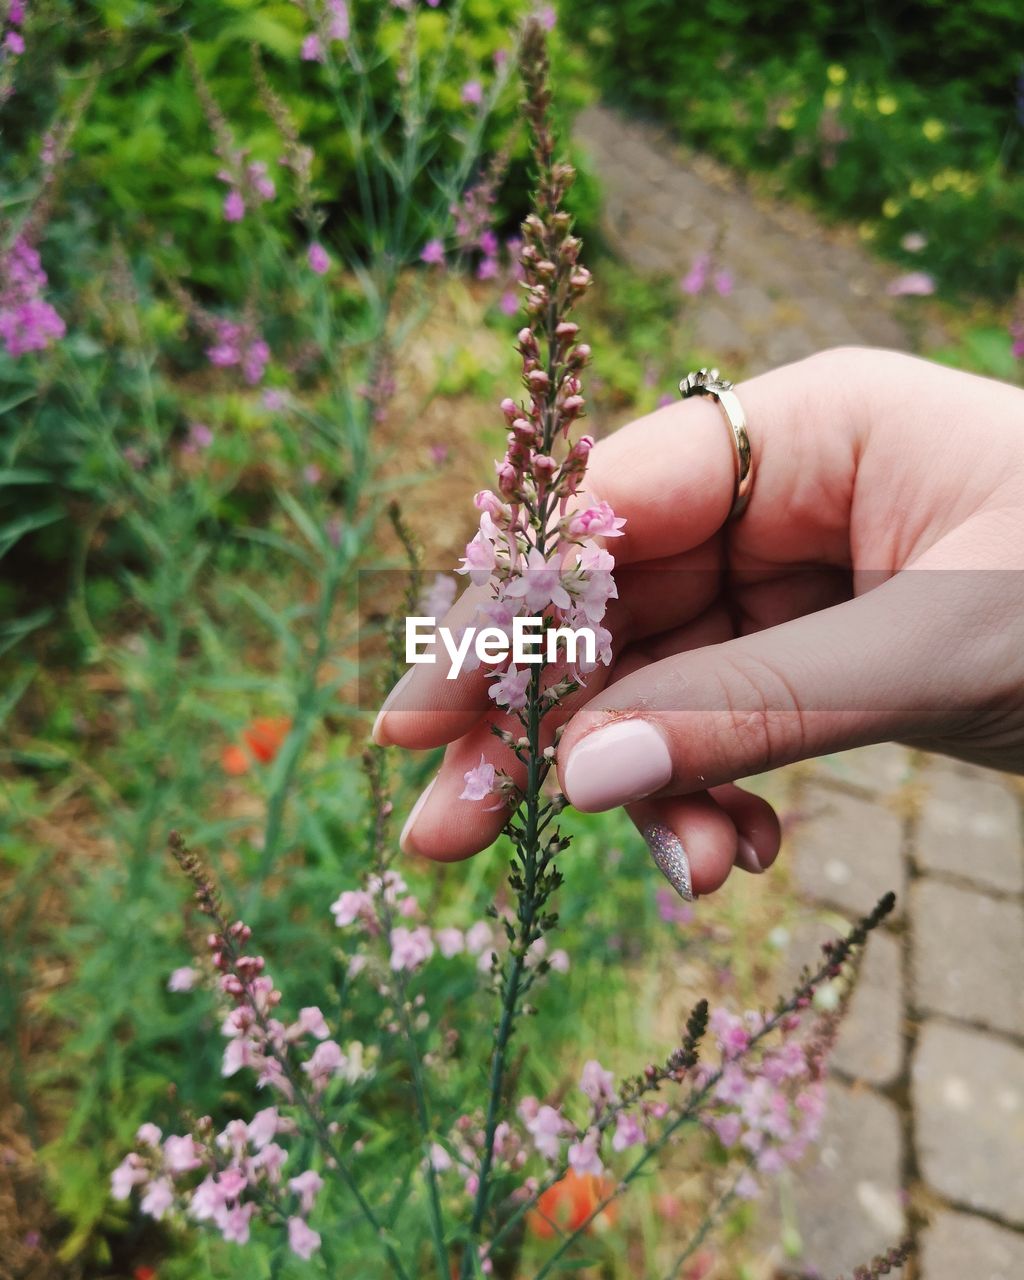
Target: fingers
[(886, 665)]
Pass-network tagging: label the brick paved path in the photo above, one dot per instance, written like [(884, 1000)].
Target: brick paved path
[(926, 1128)]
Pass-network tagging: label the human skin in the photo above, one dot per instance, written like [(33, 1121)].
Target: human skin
[(809, 625)]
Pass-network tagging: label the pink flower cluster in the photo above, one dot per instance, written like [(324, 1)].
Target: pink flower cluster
[(333, 24), (246, 182), (238, 343), (411, 945), (227, 1179), (12, 44), (703, 276), (771, 1104), (27, 321)]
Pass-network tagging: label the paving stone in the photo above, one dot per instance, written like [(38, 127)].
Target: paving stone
[(968, 1098), (970, 826), (968, 955), (958, 1246), (848, 1203), (882, 768), (847, 851)]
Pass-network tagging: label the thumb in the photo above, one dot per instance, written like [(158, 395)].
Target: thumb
[(896, 662)]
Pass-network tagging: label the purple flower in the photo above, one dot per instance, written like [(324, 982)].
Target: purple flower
[(596, 1082), (312, 49), (15, 42), (27, 321), (318, 258), (234, 206), (410, 947), (509, 303), (472, 93), (433, 253)]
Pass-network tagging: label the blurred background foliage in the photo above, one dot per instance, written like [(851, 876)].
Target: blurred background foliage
[(906, 117)]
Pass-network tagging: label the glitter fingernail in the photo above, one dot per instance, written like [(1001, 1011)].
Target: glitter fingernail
[(670, 856)]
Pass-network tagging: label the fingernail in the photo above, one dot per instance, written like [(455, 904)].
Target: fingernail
[(746, 856), (410, 822), (616, 765), (670, 856), (385, 707)]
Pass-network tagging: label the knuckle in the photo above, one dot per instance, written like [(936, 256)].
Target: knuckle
[(763, 713)]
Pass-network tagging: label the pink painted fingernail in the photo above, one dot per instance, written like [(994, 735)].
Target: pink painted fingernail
[(410, 822), (385, 707), (746, 856), (616, 765)]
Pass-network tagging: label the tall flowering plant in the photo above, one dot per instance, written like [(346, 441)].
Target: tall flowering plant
[(465, 1180)]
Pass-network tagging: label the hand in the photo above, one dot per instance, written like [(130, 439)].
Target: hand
[(871, 591)]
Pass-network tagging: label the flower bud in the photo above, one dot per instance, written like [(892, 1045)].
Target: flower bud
[(567, 330), (538, 380), (573, 404), (509, 408)]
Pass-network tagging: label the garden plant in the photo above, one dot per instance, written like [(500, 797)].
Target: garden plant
[(274, 1045)]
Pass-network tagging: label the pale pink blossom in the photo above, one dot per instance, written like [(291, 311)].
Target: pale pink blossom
[(509, 688), (130, 1173), (450, 942), (183, 979), (546, 1128), (234, 1224), (263, 1127), (327, 1061), (318, 258), (479, 937), (181, 1154), (479, 781), (312, 49), (307, 1187), (472, 93), (628, 1131), (584, 1156), (350, 906), (433, 253), (302, 1239), (597, 1083), (598, 521), (410, 947), (158, 1198)]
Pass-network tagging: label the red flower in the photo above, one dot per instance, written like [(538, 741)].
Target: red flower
[(568, 1204), (262, 741)]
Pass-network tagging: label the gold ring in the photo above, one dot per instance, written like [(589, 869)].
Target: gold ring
[(708, 382)]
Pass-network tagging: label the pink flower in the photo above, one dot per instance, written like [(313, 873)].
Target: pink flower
[(546, 1128), (559, 961), (326, 1062), (208, 1199), (479, 781), (307, 1187), (433, 253), (15, 42), (472, 93), (148, 1135), (410, 947), (584, 1156), (915, 284), (338, 28), (352, 905), (548, 17), (727, 1128), (234, 206), (450, 942), (130, 1173), (302, 1239), (747, 1187), (263, 1127), (540, 584), (318, 258), (158, 1198), (723, 283), (597, 1083), (730, 1031), (628, 1131), (509, 302), (234, 1224), (509, 689), (312, 49), (312, 1023), (596, 522), (696, 279), (914, 242), (440, 1160), (181, 1154), (479, 938)]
